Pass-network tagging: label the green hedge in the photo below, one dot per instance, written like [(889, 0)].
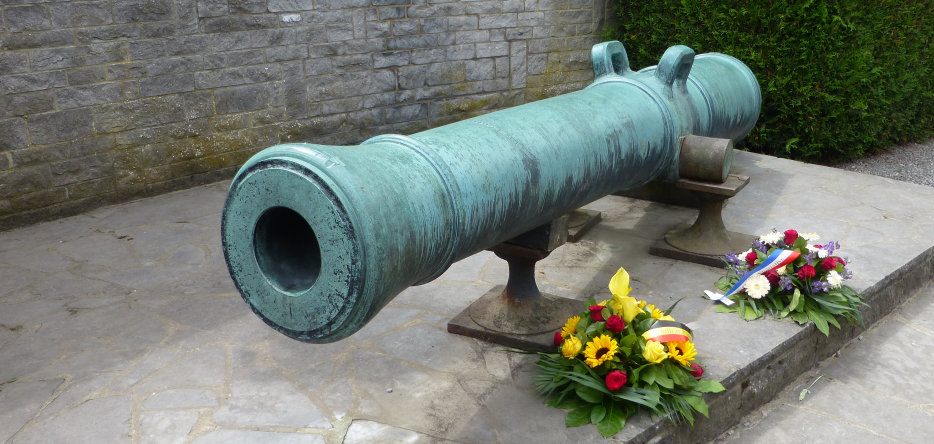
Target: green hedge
[(838, 78)]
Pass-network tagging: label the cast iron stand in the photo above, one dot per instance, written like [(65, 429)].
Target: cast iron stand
[(519, 314)]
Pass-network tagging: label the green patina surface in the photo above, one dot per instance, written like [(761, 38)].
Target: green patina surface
[(319, 238)]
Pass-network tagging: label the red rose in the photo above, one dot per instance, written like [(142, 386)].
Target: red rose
[(828, 264), (840, 261), (790, 237), (596, 312), (615, 380), (697, 371), (615, 324), (806, 272), (558, 338), (772, 276), (751, 257)]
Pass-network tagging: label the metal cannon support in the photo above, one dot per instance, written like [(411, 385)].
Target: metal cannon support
[(319, 238)]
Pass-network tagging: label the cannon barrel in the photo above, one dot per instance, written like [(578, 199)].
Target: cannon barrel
[(319, 238)]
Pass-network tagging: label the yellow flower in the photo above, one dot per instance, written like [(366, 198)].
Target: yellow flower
[(626, 306), (641, 304), (654, 352), (619, 285), (666, 318), (599, 350), (656, 313), (682, 351), (571, 347), (570, 327)]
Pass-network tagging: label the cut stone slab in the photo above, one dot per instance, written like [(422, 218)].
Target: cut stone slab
[(418, 401), (386, 320), (146, 366), (371, 432), (100, 249), (186, 254), (261, 397), (432, 347), (809, 427), (15, 279), (201, 368), (99, 421), (339, 398), (166, 427), (248, 437), (27, 354), (78, 388), (181, 399), (39, 259), (97, 359), (20, 401)]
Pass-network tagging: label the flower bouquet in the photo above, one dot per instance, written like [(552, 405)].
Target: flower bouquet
[(787, 275), (619, 356)]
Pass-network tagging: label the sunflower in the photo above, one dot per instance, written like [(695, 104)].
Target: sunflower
[(656, 313), (599, 350), (570, 327), (682, 351)]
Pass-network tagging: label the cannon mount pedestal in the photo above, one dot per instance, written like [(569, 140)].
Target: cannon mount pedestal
[(518, 314), (707, 240)]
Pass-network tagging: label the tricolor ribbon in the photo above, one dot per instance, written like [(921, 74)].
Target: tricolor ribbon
[(778, 258), (668, 331)]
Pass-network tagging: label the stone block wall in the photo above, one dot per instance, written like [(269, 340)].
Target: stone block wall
[(104, 101)]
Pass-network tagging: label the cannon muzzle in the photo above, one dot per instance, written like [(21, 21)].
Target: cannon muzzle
[(319, 238)]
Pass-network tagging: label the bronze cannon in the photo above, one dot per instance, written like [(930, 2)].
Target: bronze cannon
[(319, 238)]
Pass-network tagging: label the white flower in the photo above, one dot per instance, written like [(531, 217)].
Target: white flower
[(809, 236), (757, 286), (813, 249), (822, 253), (834, 279), (744, 254), (781, 270), (771, 238)]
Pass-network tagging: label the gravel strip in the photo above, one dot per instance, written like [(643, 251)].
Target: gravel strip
[(909, 163)]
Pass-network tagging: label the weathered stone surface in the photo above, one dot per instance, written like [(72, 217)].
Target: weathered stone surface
[(181, 399), (261, 397), (102, 420), (166, 427), (371, 432), (21, 401), (78, 389), (201, 368), (247, 437)]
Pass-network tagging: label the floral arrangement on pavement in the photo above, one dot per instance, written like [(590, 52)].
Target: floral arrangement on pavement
[(619, 356), (788, 276)]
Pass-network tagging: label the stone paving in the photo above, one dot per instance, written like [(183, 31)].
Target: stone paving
[(877, 389), (122, 325)]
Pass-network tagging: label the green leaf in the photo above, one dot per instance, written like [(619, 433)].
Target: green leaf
[(819, 321), (708, 386), (589, 394), (583, 324), (606, 313), (648, 375), (590, 302), (578, 417), (613, 421), (593, 329), (726, 308), (800, 318), (750, 314), (597, 414), (663, 380), (697, 403), (11, 380), (570, 402)]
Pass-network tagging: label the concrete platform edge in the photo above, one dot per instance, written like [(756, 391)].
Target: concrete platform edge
[(757, 383)]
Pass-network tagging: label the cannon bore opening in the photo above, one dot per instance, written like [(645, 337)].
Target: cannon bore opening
[(287, 249)]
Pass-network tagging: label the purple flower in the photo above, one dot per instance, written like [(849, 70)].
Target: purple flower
[(758, 245), (820, 286), (733, 260), (740, 272), (809, 258), (785, 283)]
